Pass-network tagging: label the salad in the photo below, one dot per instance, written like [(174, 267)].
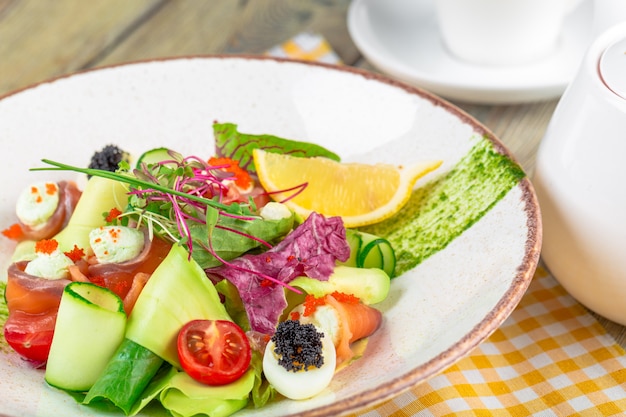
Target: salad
[(178, 279)]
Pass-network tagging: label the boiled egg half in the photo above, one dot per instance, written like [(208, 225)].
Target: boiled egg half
[(302, 383)]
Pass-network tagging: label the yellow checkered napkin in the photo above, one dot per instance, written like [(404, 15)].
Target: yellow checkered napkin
[(549, 358), (308, 46)]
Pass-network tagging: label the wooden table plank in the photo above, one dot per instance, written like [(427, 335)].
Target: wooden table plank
[(226, 26), (43, 39), (269, 23), (180, 28)]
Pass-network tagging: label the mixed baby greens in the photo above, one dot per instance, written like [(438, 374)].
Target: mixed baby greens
[(227, 262)]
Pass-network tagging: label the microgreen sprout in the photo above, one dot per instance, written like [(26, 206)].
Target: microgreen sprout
[(298, 189), (181, 200)]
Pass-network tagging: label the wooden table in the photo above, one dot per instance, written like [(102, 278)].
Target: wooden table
[(40, 39)]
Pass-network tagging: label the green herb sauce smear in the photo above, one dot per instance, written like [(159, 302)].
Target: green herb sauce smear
[(4, 314), (442, 210)]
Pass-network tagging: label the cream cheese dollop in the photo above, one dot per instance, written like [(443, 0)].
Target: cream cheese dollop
[(116, 244), (52, 265), (37, 203), (324, 317), (275, 211)]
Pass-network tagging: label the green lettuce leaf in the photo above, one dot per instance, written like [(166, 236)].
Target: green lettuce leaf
[(182, 396), (228, 244), (262, 391), (233, 304), (233, 144), (126, 376)]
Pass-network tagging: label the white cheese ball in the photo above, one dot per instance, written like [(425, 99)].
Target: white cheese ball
[(302, 384), (275, 211), (37, 203), (116, 244), (50, 266)]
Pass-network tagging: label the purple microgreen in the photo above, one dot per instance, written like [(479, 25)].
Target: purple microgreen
[(300, 188)]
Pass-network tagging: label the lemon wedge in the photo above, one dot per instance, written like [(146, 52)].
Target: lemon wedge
[(361, 194)]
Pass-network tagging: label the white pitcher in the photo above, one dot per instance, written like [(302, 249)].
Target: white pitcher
[(580, 178)]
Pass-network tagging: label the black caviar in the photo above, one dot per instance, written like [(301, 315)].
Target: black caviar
[(108, 158), (298, 346)]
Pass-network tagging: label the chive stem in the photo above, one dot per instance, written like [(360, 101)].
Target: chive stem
[(58, 166)]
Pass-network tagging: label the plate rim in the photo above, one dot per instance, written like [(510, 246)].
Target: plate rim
[(482, 330)]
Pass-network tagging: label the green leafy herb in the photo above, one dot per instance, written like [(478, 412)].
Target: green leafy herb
[(126, 376), (4, 315), (231, 143)]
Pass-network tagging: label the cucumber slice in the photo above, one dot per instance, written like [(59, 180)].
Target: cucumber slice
[(377, 253), (355, 241), (154, 155), (90, 327), (371, 285), (370, 251)]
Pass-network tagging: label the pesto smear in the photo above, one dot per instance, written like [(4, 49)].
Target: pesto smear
[(4, 314), (440, 211)]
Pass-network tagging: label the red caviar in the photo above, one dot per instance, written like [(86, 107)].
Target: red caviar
[(98, 280), (118, 286), (113, 215), (34, 190), (76, 254), (14, 232), (46, 246), (311, 302), (51, 188), (345, 298), (242, 178), (114, 233), (295, 315)]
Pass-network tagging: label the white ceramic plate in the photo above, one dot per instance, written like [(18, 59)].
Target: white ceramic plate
[(436, 312), (401, 38)]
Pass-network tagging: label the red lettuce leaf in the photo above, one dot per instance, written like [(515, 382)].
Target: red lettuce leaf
[(312, 249)]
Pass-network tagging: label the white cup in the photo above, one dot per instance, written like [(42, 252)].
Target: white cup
[(501, 32), (580, 179)]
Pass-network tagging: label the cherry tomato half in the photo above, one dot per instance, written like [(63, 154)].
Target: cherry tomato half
[(214, 352)]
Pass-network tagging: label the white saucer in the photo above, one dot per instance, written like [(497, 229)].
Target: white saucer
[(401, 38)]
